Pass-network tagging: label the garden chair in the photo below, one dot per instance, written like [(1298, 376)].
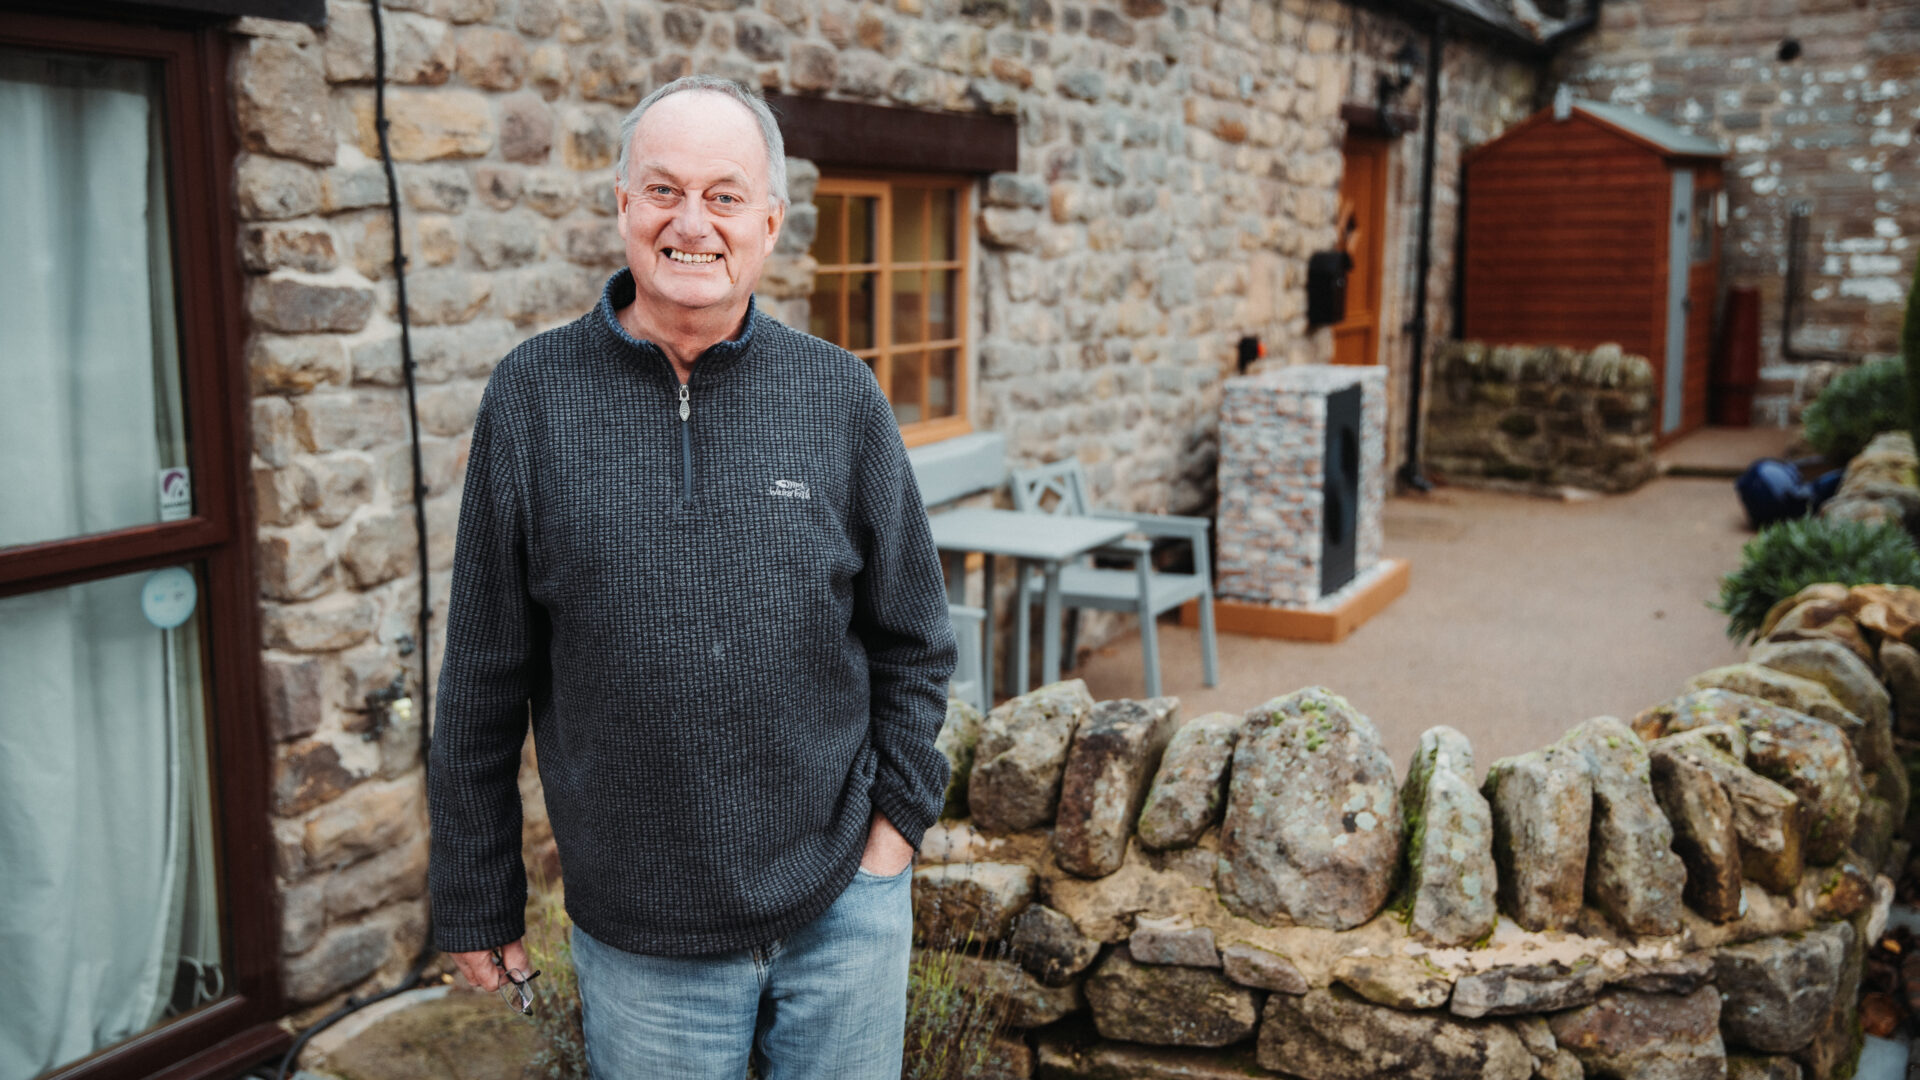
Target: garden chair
[(968, 683), (1061, 488)]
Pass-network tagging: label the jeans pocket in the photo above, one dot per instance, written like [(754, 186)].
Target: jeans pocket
[(863, 872)]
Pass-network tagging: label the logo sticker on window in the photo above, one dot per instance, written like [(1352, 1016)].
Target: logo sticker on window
[(176, 495)]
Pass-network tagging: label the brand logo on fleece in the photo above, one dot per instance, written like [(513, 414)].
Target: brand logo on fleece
[(790, 489)]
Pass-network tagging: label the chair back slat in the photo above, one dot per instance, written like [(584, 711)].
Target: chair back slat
[(1058, 487)]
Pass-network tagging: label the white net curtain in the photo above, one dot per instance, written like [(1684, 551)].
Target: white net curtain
[(109, 908)]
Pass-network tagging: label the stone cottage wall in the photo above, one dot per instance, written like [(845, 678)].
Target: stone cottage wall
[(1688, 895), (1834, 128), (1176, 165), (1534, 416)]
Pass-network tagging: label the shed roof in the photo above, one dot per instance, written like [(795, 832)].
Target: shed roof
[(1660, 134)]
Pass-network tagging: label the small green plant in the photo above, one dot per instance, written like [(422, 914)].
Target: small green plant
[(1857, 405), (562, 1052), (1791, 555), (952, 1018)]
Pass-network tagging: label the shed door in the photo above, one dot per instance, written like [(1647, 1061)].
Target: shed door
[(1679, 268)]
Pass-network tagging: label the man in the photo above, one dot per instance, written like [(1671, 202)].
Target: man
[(691, 539)]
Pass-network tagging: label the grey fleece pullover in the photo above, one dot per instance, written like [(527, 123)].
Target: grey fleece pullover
[(725, 608)]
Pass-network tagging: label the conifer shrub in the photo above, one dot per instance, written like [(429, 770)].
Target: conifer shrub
[(1857, 405), (1790, 555)]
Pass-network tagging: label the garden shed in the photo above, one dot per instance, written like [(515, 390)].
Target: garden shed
[(1589, 223)]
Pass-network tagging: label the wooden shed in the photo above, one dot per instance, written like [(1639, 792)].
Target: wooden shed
[(1590, 223)]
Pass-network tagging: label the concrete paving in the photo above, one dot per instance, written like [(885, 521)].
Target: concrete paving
[(1524, 616)]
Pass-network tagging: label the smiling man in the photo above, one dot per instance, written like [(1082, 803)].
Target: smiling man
[(692, 550)]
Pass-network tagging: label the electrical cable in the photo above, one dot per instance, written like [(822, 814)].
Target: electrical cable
[(412, 978)]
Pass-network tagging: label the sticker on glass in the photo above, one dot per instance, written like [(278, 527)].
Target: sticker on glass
[(168, 597), (176, 495)]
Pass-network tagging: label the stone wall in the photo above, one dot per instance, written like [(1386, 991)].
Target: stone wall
[(1688, 895), (1834, 127), (1176, 165), (1531, 417)]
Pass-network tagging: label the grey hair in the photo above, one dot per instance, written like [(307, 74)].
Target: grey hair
[(769, 127)]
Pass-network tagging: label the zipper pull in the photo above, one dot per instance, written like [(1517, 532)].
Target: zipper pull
[(685, 408)]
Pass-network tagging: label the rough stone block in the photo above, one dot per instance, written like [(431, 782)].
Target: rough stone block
[(1312, 828), (1050, 946), (1777, 992), (1651, 1036), (1168, 1006), (1542, 805), (1334, 1035), (1633, 874), (1022, 756), (955, 901), (280, 102), (427, 125), (1250, 965), (1189, 790), (292, 306), (1172, 940), (1110, 762), (1452, 886), (1809, 757)]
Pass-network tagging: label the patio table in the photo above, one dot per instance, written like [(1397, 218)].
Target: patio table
[(1047, 540)]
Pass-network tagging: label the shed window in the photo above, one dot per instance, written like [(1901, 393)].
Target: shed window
[(891, 288)]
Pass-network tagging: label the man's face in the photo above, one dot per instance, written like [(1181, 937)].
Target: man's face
[(696, 214)]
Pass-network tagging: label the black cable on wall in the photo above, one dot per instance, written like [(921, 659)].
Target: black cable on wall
[(421, 640)]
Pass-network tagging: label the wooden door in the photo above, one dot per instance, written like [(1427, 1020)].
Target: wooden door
[(1363, 210)]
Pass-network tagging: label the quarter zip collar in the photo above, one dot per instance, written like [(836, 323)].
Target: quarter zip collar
[(718, 357)]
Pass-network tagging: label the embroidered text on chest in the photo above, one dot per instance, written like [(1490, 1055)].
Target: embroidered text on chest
[(790, 489)]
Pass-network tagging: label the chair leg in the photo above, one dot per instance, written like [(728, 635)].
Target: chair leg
[(1022, 634), (1209, 651), (1150, 648)]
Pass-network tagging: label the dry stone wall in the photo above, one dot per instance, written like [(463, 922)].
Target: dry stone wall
[(1689, 894), (1176, 165), (1535, 416)]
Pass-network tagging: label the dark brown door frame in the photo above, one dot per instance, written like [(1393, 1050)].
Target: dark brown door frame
[(225, 1037)]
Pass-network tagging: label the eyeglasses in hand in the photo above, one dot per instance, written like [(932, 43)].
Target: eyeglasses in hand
[(514, 988)]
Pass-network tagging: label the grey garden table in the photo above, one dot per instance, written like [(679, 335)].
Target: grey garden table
[(1046, 540)]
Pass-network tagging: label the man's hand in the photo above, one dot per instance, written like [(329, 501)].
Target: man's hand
[(479, 969), (887, 852)]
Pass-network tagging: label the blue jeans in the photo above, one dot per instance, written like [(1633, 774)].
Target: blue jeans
[(827, 1001)]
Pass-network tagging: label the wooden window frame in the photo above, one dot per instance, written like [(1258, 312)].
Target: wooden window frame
[(224, 1036), (881, 187)]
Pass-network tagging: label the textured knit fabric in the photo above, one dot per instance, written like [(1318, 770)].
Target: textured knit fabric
[(729, 665)]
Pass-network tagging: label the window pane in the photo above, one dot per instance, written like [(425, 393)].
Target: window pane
[(909, 306), (863, 211), (110, 901), (909, 224), (945, 201), (943, 366), (89, 353), (826, 238), (860, 311), (942, 316), (823, 310), (908, 379)]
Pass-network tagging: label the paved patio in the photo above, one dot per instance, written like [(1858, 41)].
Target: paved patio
[(1525, 616)]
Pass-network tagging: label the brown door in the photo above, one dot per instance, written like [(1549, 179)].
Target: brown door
[(1363, 213)]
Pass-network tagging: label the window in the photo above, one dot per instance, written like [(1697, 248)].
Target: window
[(135, 906), (891, 288)]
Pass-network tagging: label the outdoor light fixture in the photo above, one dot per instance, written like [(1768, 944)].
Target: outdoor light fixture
[(1393, 81)]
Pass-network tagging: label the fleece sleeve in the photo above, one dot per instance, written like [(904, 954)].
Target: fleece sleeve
[(495, 654), (900, 615)]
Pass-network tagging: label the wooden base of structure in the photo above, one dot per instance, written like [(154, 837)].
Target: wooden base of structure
[(1302, 624)]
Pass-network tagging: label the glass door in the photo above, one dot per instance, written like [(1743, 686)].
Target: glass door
[(126, 626)]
